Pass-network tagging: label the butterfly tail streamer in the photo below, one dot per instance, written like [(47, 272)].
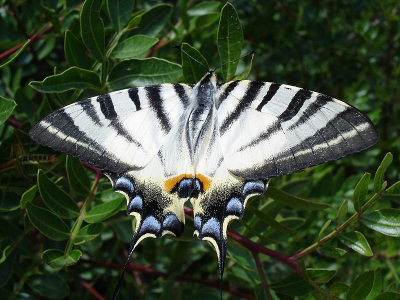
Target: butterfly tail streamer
[(132, 246)]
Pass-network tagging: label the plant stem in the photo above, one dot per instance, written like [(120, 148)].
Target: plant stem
[(337, 231), (82, 213)]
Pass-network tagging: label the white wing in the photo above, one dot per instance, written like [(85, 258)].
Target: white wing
[(270, 129), (116, 132)]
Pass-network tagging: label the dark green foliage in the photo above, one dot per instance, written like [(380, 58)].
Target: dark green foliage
[(340, 228)]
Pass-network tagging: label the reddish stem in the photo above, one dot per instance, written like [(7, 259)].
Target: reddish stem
[(150, 271), (14, 122), (91, 290), (33, 38)]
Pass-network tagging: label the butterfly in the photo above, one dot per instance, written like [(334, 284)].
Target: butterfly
[(215, 145)]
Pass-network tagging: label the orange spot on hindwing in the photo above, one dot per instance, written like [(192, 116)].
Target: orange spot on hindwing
[(187, 182)]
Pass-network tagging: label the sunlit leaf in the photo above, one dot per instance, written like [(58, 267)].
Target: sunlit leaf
[(229, 40), (356, 241), (385, 221), (73, 78)]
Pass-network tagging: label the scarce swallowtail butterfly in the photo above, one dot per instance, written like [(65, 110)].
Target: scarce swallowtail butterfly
[(215, 145)]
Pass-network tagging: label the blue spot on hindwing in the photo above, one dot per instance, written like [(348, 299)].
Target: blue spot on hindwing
[(171, 221), (135, 204), (150, 225), (213, 228), (253, 187), (125, 185), (234, 207), (185, 187), (197, 223)]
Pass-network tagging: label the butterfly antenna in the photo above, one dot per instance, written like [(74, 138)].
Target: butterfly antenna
[(199, 62), (233, 60), (131, 248)]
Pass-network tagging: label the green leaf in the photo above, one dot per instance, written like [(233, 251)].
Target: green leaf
[(77, 176), (88, 233), (242, 258), (378, 180), (270, 221), (393, 192), (356, 241), (75, 52), (203, 22), (57, 259), (48, 285), (342, 212), (134, 46), (47, 223), (388, 296), (120, 12), (338, 288), (295, 286), (104, 211), (321, 232), (183, 13), (361, 286), (92, 28), (55, 198), (293, 201), (14, 56), (385, 221), (73, 78), (28, 196), (204, 8), (134, 22), (360, 192), (332, 252), (192, 70), (6, 108), (377, 288), (6, 267), (229, 40), (142, 72), (155, 19), (321, 276)]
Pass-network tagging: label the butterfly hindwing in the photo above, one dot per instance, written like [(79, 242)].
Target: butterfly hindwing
[(270, 129)]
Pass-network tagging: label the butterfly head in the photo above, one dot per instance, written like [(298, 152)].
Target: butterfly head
[(206, 88)]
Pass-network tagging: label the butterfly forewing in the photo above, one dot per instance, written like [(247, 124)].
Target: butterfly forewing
[(115, 131), (281, 129)]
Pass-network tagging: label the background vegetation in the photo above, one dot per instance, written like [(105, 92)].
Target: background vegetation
[(57, 213)]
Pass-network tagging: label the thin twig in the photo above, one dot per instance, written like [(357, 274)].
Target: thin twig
[(91, 290), (262, 275), (150, 271)]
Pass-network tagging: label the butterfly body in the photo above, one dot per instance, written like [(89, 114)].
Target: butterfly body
[(217, 145)]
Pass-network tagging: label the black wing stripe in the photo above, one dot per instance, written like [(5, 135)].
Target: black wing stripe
[(231, 86), (89, 108), (181, 92), (295, 105), (252, 91), (107, 106), (134, 96), (274, 87), (153, 94), (313, 108)]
